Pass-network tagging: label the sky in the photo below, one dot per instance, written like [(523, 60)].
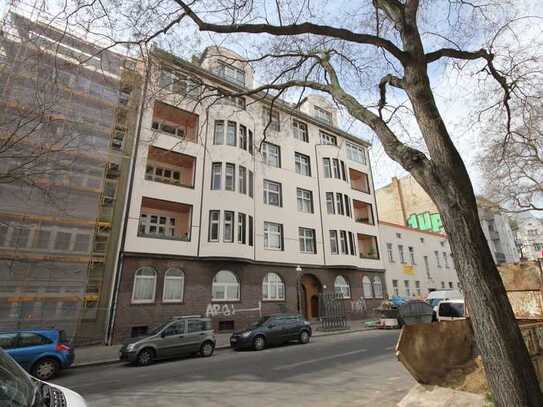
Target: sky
[(457, 94)]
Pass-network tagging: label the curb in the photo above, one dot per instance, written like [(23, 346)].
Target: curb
[(317, 334)]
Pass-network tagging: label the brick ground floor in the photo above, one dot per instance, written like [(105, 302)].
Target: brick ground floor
[(234, 299)]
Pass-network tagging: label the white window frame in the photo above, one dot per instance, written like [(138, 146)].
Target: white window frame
[(367, 287), (214, 222), (270, 283), (146, 222), (226, 297), (215, 174), (221, 133), (302, 164), (232, 176), (390, 252), (330, 203), (446, 260), (153, 277), (356, 153), (411, 251), (323, 115), (269, 192), (242, 228), (226, 223), (342, 287), (307, 240), (339, 204), (177, 279), (336, 169), (271, 154), (326, 163), (417, 288), (343, 242), (300, 130), (242, 179), (395, 288), (304, 199), (407, 286), (274, 120), (377, 287), (401, 254), (231, 133), (268, 233), (328, 139), (334, 244), (436, 254), (231, 73)]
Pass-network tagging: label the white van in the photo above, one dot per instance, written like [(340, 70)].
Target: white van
[(435, 297), (451, 310), (18, 388)]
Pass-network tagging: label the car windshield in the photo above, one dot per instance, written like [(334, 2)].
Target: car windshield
[(260, 322), (16, 387)]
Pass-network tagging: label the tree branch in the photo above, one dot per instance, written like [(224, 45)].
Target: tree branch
[(392, 81)]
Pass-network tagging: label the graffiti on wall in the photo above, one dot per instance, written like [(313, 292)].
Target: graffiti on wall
[(425, 221), (358, 305), (227, 310)]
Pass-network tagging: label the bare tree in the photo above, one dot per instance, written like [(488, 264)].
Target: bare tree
[(373, 59)]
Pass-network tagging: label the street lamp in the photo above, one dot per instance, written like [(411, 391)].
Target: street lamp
[(298, 288)]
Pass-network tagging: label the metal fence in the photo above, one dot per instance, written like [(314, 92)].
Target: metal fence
[(332, 312)]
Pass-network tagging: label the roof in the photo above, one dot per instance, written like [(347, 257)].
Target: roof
[(426, 232), (264, 98)]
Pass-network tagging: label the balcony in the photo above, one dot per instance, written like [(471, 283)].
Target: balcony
[(170, 167), (175, 122), (363, 212), (359, 181), (165, 219), (367, 246)]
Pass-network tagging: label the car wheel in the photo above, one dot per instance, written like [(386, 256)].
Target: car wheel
[(145, 357), (304, 337), (259, 343), (45, 369), (207, 348)]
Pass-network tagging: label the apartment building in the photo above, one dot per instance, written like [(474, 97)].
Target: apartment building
[(529, 234), (68, 106), (416, 261), (405, 202), (242, 205)]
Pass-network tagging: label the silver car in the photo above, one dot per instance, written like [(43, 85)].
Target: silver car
[(177, 337)]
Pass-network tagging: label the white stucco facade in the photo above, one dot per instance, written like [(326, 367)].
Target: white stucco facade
[(530, 237), (426, 263)]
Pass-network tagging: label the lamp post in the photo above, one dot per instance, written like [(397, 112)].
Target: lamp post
[(298, 288)]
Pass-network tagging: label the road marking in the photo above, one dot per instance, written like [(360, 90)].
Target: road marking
[(306, 362), (390, 348)]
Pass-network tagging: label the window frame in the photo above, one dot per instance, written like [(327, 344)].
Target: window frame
[(226, 298), (330, 203), (306, 239), (222, 124), (355, 151), (181, 278), (302, 164), (213, 222), (301, 199), (230, 239), (267, 192), (334, 242), (300, 130), (266, 154), (344, 286), (279, 285), (231, 166), (154, 278), (278, 233), (214, 166), (367, 287)]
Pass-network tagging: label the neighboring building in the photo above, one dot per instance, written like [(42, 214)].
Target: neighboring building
[(416, 261), (529, 233), (219, 219), (58, 233), (405, 202)]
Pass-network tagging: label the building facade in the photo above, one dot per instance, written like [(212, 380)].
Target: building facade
[(62, 184), (242, 205), (405, 202), (416, 262), (529, 232)]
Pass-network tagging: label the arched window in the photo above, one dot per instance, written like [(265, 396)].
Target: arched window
[(342, 287), (378, 287), (225, 286), (174, 284), (144, 285), (366, 287), (273, 287)]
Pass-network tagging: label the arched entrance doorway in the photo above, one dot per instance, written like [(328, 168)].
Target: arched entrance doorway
[(311, 287)]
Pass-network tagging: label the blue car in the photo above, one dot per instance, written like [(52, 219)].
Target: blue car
[(42, 352)]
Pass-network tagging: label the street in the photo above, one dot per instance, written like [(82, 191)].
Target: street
[(357, 369)]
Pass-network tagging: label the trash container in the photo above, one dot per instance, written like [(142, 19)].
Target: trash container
[(416, 312)]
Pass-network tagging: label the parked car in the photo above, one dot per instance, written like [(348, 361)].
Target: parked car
[(18, 388), (450, 310), (435, 297), (272, 330), (42, 352), (176, 337)]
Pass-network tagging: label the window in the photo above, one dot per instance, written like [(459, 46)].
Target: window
[(305, 200), (272, 193), (347, 205), (339, 204), (250, 230), (230, 177), (81, 243), (426, 264), (271, 119), (242, 137), (343, 173), (176, 82), (342, 287), (443, 284), (323, 115), (366, 287), (328, 138), (451, 284), (271, 154), (351, 244), (250, 143), (242, 179), (273, 288), (402, 256), (228, 227), (417, 288), (407, 288), (390, 253), (445, 260), (28, 339), (231, 136), (242, 227), (334, 249), (163, 174), (327, 168), (156, 225), (302, 164), (273, 236), (216, 175), (335, 168), (343, 241), (62, 241), (356, 153), (251, 184), (225, 287), (330, 203), (395, 288), (306, 237), (218, 135), (436, 254), (412, 255), (231, 73), (300, 130), (214, 222), (378, 287), (174, 282), (144, 285), (8, 341)]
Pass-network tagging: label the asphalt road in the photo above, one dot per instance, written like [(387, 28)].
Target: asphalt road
[(356, 369)]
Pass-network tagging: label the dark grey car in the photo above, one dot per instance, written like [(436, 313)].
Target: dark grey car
[(177, 337)]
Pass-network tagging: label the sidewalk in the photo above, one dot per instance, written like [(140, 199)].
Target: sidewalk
[(102, 354)]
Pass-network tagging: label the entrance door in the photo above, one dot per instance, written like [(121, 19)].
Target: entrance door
[(311, 289), (315, 306)]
